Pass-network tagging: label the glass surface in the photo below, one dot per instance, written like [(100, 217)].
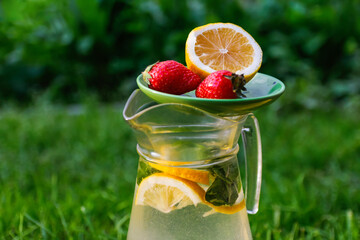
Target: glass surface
[(188, 184)]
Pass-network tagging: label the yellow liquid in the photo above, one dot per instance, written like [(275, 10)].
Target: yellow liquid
[(187, 223)]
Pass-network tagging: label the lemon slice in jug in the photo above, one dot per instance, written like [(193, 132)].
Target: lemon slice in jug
[(198, 176), (167, 193)]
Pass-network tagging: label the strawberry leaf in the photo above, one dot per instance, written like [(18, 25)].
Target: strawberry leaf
[(146, 75), (238, 82)]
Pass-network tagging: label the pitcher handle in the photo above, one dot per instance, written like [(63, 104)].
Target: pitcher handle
[(253, 162)]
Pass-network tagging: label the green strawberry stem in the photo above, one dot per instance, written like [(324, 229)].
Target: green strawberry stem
[(238, 82), (146, 75)]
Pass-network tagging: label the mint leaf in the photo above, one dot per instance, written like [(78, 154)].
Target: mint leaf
[(225, 188), (144, 170)]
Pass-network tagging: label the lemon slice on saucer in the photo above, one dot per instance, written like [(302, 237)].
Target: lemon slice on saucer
[(222, 46)]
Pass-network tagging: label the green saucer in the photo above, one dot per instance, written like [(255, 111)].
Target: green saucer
[(261, 90)]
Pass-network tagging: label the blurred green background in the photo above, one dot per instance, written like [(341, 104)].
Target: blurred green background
[(68, 159), (69, 48)]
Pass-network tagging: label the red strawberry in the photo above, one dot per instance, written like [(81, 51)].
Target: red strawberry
[(171, 77), (221, 84)]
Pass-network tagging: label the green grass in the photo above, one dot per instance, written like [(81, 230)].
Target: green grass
[(71, 176)]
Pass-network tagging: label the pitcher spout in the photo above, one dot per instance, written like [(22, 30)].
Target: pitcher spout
[(180, 132)]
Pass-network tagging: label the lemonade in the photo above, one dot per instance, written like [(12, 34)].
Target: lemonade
[(173, 207), (187, 223)]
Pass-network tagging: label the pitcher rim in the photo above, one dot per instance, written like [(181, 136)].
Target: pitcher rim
[(137, 91)]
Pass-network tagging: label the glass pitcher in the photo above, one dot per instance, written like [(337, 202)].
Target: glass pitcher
[(188, 183)]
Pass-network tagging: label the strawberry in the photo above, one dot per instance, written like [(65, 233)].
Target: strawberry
[(221, 84), (171, 77)]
